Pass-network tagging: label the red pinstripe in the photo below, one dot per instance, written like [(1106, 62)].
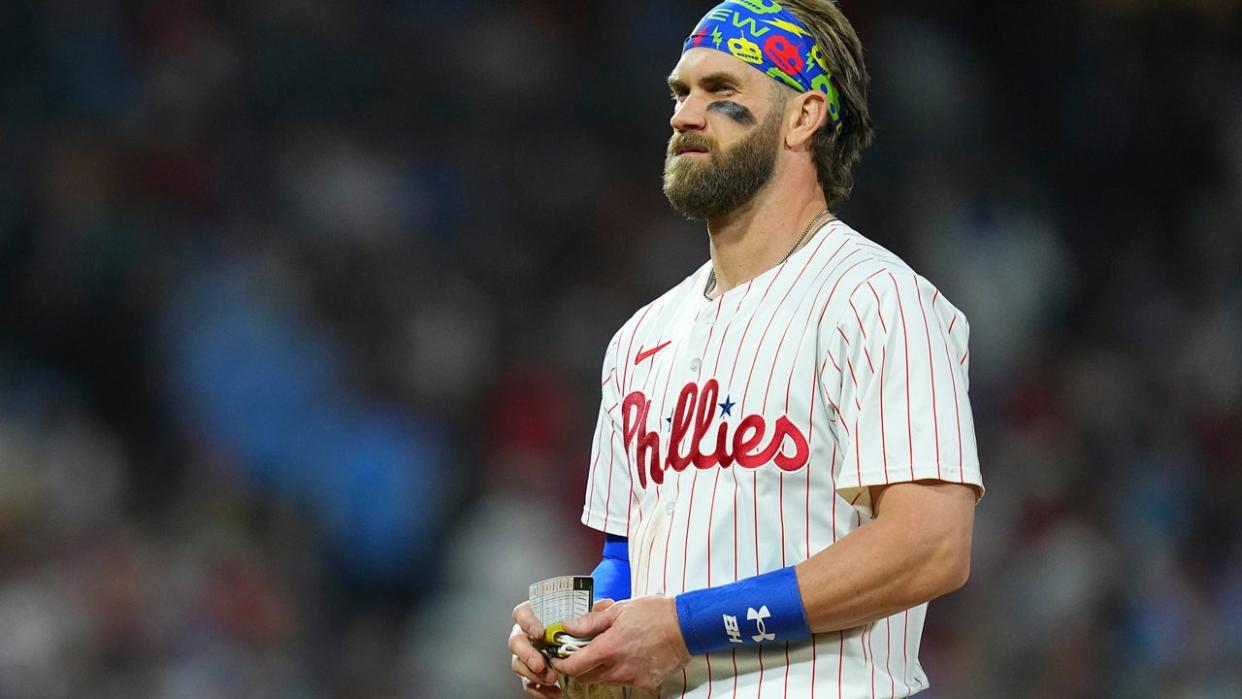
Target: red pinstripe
[(810, 441), (669, 535), (883, 431), (598, 447), (650, 551), (754, 494), (733, 652), (905, 648), (786, 694), (870, 635), (853, 377), (725, 334), (957, 411), (888, 652), (814, 656), (711, 511), (905, 342), (858, 453), (834, 363), (878, 306), (861, 328), (759, 685), (599, 450), (780, 499), (735, 555), (835, 497), (840, 662), (931, 368), (612, 453)]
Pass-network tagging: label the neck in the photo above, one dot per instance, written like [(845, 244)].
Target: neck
[(758, 235)]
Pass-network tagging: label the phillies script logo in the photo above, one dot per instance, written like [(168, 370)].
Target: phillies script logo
[(694, 415)]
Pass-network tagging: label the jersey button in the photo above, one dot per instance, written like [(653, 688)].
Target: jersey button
[(695, 364), (669, 508)]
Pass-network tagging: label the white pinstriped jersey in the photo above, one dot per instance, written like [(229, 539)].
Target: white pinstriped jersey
[(739, 435)]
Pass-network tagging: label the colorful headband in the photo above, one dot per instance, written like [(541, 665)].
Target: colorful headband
[(770, 38)]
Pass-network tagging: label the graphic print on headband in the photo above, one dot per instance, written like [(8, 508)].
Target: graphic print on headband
[(773, 41)]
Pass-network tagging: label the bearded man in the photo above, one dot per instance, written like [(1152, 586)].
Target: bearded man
[(784, 464)]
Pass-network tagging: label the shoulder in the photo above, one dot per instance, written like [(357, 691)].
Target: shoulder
[(861, 259), (658, 308), (866, 276)]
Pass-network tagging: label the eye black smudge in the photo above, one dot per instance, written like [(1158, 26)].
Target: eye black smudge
[(734, 111)]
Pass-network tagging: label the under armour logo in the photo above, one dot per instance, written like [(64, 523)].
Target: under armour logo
[(758, 617)]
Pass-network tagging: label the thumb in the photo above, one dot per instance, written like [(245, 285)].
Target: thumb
[(591, 624)]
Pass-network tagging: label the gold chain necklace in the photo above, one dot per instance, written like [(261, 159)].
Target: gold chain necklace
[(711, 276)]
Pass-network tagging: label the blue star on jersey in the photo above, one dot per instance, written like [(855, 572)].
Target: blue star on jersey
[(726, 408)]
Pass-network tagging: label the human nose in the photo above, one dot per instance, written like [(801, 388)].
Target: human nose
[(689, 115)]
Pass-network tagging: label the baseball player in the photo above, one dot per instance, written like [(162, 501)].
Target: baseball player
[(784, 465)]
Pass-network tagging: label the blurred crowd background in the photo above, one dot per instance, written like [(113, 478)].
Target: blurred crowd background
[(304, 305)]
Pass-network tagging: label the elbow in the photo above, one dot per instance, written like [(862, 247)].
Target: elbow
[(957, 575), (944, 571), (952, 570)]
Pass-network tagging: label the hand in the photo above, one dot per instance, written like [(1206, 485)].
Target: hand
[(637, 643), (538, 680)]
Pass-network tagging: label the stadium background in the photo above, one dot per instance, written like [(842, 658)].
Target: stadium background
[(304, 303)]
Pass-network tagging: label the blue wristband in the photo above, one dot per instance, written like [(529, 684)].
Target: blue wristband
[(764, 609), (612, 575)]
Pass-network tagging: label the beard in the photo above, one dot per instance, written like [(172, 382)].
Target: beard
[(707, 189)]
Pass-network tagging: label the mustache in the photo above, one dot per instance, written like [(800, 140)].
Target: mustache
[(690, 141)]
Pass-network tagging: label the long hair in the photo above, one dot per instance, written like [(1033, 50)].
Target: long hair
[(835, 154)]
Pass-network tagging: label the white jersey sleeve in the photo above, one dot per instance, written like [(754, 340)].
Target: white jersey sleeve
[(608, 491), (900, 350)]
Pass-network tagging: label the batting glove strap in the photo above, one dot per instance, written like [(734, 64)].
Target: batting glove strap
[(764, 609)]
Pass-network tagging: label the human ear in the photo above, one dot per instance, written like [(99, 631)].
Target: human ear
[(806, 113)]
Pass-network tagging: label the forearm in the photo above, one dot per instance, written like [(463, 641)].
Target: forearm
[(884, 567), (917, 549)]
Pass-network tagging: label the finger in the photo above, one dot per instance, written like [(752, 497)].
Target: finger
[(581, 662), (524, 671), (601, 605), (525, 617), (590, 624), (523, 650)]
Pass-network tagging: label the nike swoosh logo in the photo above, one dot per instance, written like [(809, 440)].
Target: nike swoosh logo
[(644, 355)]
